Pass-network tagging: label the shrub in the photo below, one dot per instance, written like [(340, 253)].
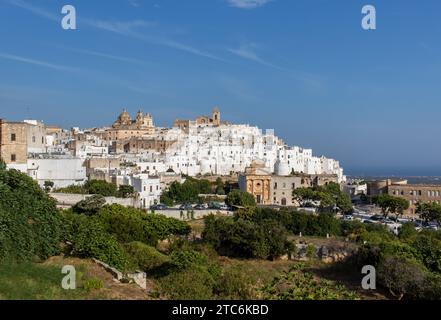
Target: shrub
[(93, 284), (184, 259), (238, 237), (30, 224), (90, 206), (235, 284), (240, 198), (125, 191), (74, 189), (311, 251), (429, 252), (90, 240), (187, 191), (129, 224), (401, 276), (407, 231), (297, 284), (101, 187), (145, 257), (190, 284)]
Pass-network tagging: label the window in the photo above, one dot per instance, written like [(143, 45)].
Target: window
[(13, 157), (275, 185), (151, 189), (33, 139), (13, 137)]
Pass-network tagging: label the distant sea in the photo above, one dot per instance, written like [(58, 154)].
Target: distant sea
[(410, 179), (427, 175)]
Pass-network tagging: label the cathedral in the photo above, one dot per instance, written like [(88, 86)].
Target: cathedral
[(142, 121), (125, 127)]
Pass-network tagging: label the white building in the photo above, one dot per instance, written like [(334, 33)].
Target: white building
[(207, 149), (147, 187), (226, 149), (61, 171)]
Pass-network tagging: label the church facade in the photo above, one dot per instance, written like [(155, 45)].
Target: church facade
[(125, 127)]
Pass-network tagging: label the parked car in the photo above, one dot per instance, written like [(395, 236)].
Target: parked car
[(201, 206), (214, 205), (377, 218), (186, 206), (224, 207), (160, 206), (348, 217), (432, 227)]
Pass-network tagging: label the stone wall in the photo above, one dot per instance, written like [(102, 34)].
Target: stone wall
[(70, 199)]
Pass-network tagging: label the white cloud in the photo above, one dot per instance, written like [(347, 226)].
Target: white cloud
[(122, 27), (248, 51), (12, 57), (248, 4), (134, 3), (129, 29), (34, 10), (105, 55), (126, 28)]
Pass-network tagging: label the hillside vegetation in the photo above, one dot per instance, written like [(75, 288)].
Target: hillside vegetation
[(244, 256)]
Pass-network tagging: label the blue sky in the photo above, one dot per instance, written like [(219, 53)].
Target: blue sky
[(306, 68)]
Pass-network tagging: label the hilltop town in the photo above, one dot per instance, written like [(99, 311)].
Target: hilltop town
[(134, 152)]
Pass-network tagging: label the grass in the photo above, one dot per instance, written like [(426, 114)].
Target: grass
[(42, 281), (30, 281)]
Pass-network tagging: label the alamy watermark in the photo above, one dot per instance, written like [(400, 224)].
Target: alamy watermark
[(69, 21), (368, 22), (369, 281), (69, 281)]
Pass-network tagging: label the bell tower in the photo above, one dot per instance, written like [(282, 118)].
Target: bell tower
[(216, 117)]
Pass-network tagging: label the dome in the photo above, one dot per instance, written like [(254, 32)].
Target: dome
[(281, 168), (124, 117), (258, 164)]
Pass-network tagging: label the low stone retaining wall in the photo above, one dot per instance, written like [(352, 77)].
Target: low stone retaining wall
[(67, 200), (197, 214), (140, 278)]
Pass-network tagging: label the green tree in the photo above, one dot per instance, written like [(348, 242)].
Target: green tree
[(130, 224), (90, 205), (407, 231), (165, 199), (330, 196), (429, 212), (125, 191), (238, 237), (48, 185), (220, 189), (30, 224), (303, 195), (91, 240), (101, 187), (145, 257), (240, 198), (401, 276), (390, 204), (429, 251)]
